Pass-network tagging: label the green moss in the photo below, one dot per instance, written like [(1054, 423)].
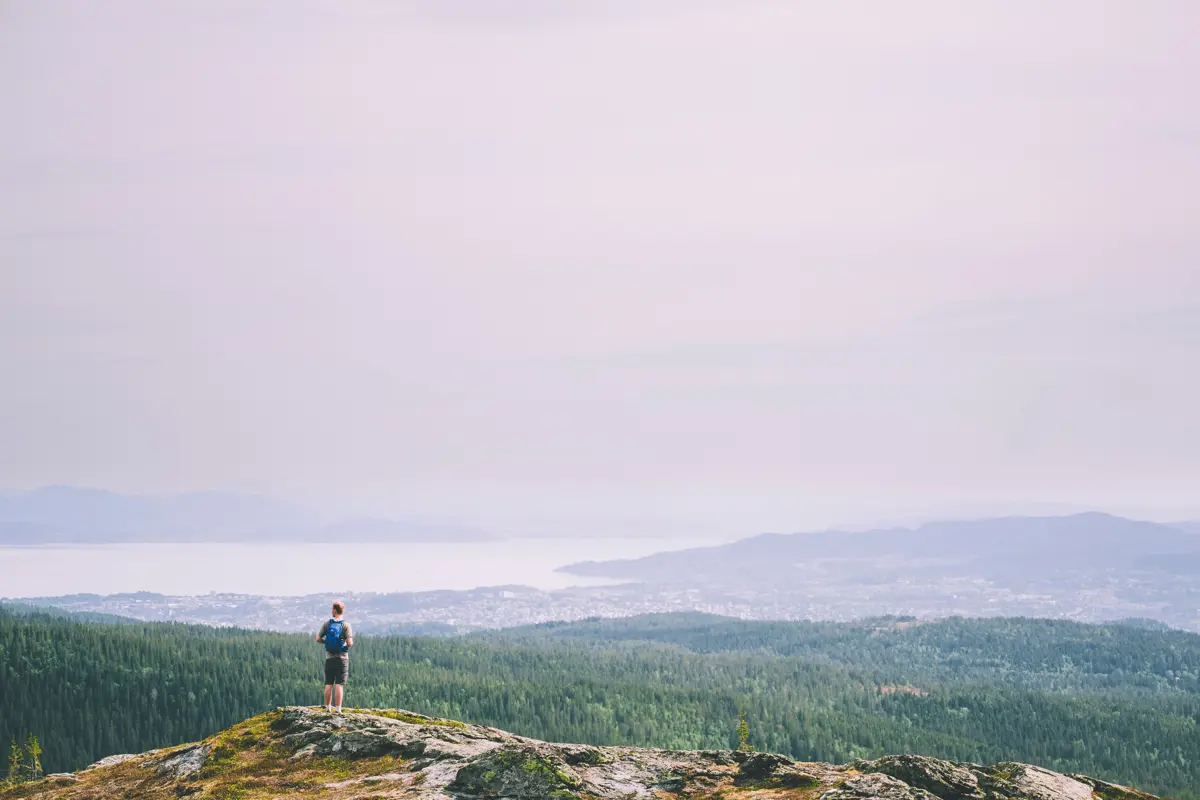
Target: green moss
[(232, 789), (243, 736), (331, 769), (1107, 791), (783, 781), (258, 726), (516, 772), (230, 792), (222, 759), (10, 790), (590, 757)]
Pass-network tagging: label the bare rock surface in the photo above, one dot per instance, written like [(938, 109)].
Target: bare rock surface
[(183, 762), (1042, 784), (119, 758), (299, 752), (876, 786), (1111, 791)]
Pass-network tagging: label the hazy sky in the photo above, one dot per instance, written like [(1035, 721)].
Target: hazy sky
[(777, 259)]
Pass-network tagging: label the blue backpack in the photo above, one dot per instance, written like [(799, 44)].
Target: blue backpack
[(335, 637)]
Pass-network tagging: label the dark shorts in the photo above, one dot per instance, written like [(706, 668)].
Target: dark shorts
[(337, 669)]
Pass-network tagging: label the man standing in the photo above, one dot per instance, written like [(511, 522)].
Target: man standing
[(338, 638)]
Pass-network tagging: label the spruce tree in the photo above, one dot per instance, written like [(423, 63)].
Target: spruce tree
[(33, 757), (15, 764), (743, 732)]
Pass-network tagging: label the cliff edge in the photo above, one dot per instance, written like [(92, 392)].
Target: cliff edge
[(301, 752)]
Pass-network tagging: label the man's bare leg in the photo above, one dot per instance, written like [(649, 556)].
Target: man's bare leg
[(328, 695), (338, 691)]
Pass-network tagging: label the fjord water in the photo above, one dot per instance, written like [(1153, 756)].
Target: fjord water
[(295, 569)]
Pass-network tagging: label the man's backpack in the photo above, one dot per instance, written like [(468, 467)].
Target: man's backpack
[(335, 637)]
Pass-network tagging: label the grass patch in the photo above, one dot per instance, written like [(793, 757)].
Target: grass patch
[(331, 769), (247, 734), (230, 792)]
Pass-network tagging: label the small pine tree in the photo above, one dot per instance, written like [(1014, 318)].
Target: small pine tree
[(16, 763), (33, 757), (743, 732)]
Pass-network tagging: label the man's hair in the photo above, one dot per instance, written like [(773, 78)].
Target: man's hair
[(338, 607)]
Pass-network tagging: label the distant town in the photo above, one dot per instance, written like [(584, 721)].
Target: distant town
[(1089, 567), (449, 612)]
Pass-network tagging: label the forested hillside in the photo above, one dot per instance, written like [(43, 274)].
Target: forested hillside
[(982, 691), (1134, 657)]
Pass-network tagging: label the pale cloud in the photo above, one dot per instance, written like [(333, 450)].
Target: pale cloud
[(682, 255)]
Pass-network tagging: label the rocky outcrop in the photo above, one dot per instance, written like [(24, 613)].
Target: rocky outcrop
[(772, 769), (298, 752), (119, 758), (1037, 783), (942, 779), (1112, 791), (875, 786), (183, 762)]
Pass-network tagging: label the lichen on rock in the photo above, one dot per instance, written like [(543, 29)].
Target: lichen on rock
[(184, 762), (519, 772)]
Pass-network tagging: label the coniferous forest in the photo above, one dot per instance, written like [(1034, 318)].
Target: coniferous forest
[(1120, 702)]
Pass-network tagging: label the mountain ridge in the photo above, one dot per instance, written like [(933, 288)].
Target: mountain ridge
[(75, 515), (1090, 538), (387, 753)]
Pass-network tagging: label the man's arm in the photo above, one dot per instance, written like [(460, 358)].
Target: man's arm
[(349, 635), (321, 633)]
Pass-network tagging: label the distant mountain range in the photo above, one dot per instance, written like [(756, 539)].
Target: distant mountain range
[(72, 515), (1086, 567), (1020, 548)]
